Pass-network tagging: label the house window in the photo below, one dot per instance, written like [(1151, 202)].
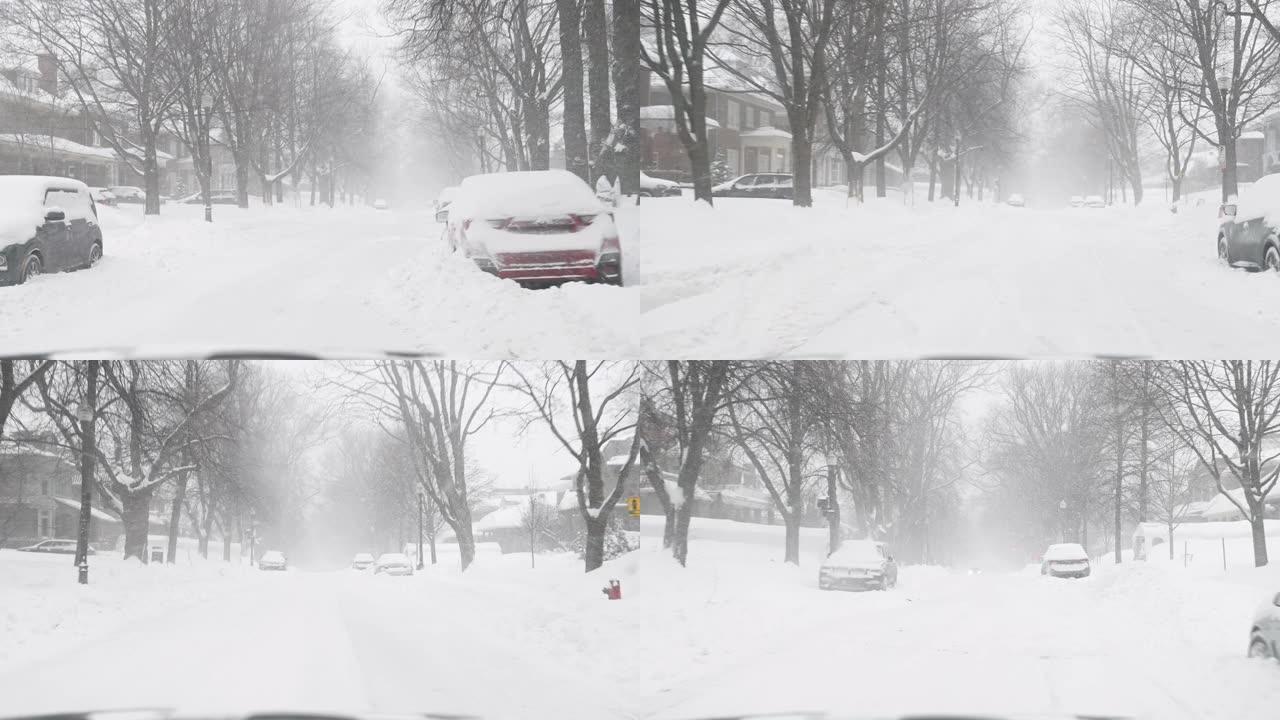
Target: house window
[(762, 160), (731, 160), (766, 118), (751, 117), (44, 521), (732, 119), (782, 161), (44, 487)]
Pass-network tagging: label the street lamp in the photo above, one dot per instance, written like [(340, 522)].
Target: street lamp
[(1062, 518), (955, 185), (421, 502), (206, 116), (1227, 152)]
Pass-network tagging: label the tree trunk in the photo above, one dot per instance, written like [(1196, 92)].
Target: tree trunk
[(466, 541), (933, 176), (1230, 187), (791, 520), (626, 81), (596, 29), (538, 129), (226, 544), (833, 512), (593, 554), (1171, 541), (1257, 525), (680, 539), (802, 164), (135, 514), (242, 178), (175, 517), (575, 133), (150, 172)]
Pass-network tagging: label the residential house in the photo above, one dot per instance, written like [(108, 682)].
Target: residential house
[(43, 131), (40, 499)]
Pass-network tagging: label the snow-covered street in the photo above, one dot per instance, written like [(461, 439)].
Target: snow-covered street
[(757, 277), (436, 642), (311, 280), (746, 634)]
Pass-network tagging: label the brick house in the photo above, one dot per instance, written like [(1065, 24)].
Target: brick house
[(40, 499)]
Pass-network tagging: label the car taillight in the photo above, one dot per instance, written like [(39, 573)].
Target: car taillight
[(611, 244)]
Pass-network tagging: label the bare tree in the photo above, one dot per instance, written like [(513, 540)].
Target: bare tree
[(16, 377), (626, 80)]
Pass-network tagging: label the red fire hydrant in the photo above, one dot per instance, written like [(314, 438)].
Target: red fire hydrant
[(614, 591)]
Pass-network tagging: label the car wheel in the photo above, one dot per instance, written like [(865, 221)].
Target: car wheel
[(1258, 648), (1223, 253), (95, 254), (1271, 259), (31, 268)]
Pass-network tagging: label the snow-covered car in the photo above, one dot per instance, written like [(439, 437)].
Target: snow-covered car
[(657, 187), (542, 226), (273, 560), (1264, 636), (128, 193), (1249, 229), (216, 197), (393, 564), (379, 204), (59, 547), (102, 196), (1094, 201), (47, 224), (858, 565), (1077, 201), (362, 561), (1016, 200), (443, 201), (1065, 560), (757, 185)]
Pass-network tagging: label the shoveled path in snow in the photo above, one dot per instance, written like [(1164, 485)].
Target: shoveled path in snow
[(326, 642), (754, 278), (313, 280)]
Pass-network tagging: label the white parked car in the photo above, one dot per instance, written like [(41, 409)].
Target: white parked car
[(1264, 637), (543, 226), (393, 564), (379, 204), (1095, 201), (273, 560), (1077, 201), (128, 193), (1065, 560), (1016, 200), (658, 187), (859, 565), (102, 196), (362, 561)]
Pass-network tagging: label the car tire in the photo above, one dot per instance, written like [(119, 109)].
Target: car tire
[(95, 254), (1258, 648), (1224, 252), (1271, 258), (30, 269)]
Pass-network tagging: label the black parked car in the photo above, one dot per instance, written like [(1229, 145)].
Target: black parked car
[(1249, 236), (47, 224), (758, 185), (60, 547)]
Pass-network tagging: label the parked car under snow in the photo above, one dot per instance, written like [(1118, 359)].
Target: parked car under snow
[(47, 224)]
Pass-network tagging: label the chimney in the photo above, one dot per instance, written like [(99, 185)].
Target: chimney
[(47, 64)]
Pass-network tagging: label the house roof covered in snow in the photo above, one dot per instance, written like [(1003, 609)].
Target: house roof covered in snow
[(667, 113), (766, 131)]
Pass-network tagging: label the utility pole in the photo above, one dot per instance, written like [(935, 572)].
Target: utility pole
[(88, 447)]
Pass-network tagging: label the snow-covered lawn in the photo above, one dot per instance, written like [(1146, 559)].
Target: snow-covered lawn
[(742, 632), (346, 280), (759, 277)]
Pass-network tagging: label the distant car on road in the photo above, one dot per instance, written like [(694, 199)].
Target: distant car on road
[(273, 560), (128, 193), (535, 227), (1264, 636), (657, 187), (102, 196), (1065, 560), (1095, 201), (379, 204), (362, 561), (859, 565), (47, 224), (1016, 200), (444, 200), (393, 564), (59, 547), (1249, 233), (216, 197), (757, 185), (1077, 201)]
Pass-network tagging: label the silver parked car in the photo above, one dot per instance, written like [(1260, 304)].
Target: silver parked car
[(1264, 636), (393, 564), (1065, 560), (859, 565), (273, 560)]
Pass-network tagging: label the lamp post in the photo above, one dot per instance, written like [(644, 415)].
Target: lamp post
[(1062, 519), (420, 514), (206, 117), (955, 185), (88, 447), (1227, 151)]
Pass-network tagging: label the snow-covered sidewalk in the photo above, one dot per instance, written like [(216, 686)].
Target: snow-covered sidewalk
[(758, 277), (312, 280)]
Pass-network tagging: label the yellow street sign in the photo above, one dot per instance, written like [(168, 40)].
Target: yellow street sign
[(633, 506)]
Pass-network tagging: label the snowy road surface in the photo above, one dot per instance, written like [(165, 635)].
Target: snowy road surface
[(315, 280), (759, 277), (340, 641), (743, 633)]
